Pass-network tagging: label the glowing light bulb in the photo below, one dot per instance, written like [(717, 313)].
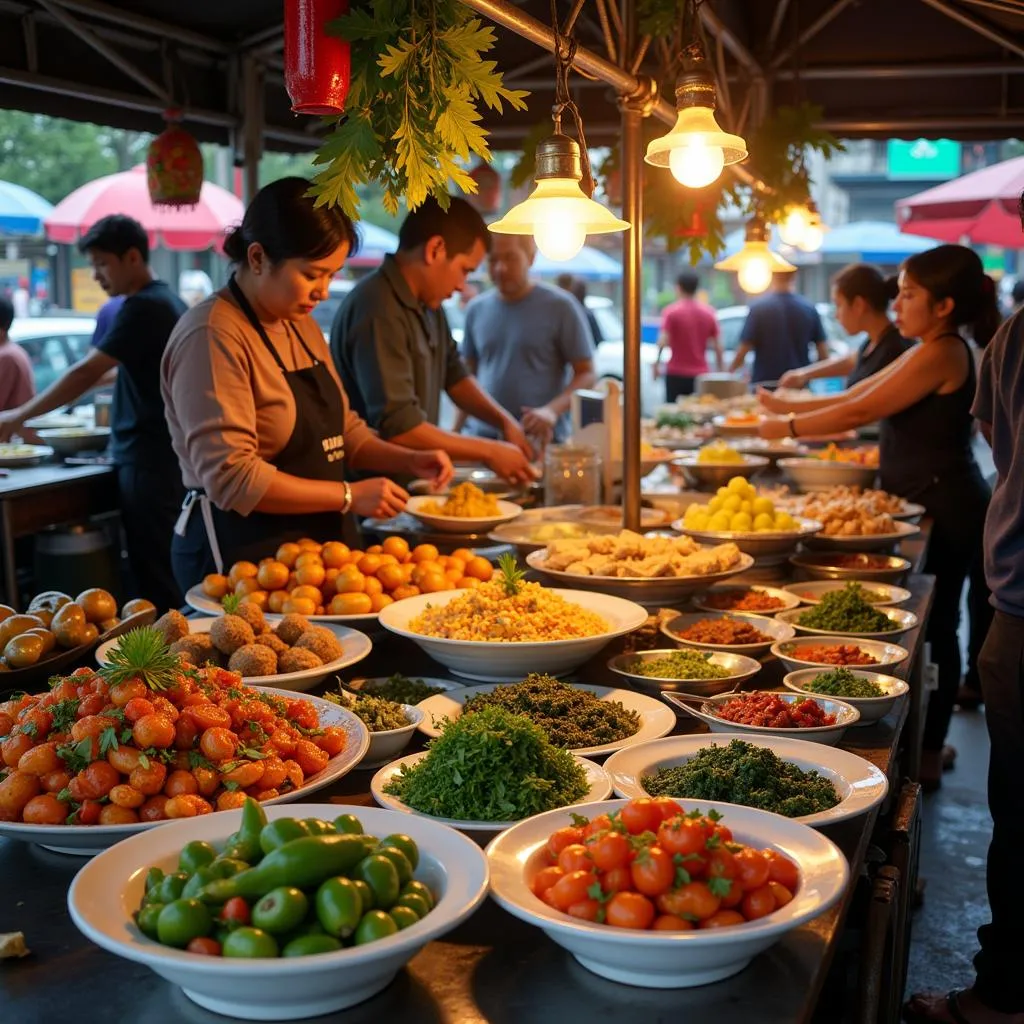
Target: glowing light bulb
[(794, 226), (696, 164), (560, 237), (756, 274), (813, 238)]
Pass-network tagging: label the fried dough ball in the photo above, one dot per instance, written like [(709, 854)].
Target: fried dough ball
[(297, 659), (273, 641), (172, 625), (291, 627), (230, 632), (252, 614), (196, 648), (322, 642), (253, 660)]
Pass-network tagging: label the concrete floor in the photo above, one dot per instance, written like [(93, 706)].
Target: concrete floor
[(954, 845)]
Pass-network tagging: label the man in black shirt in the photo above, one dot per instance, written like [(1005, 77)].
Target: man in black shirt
[(148, 476)]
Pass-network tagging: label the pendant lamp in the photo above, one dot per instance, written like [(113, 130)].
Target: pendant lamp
[(755, 263)]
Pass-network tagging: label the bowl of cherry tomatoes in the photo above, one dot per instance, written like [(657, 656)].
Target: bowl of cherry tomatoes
[(658, 894)]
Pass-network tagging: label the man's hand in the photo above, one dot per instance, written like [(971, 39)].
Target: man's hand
[(773, 427), (434, 466), (379, 498), (514, 434), (509, 462), (539, 423), (792, 379), (10, 424), (771, 401)]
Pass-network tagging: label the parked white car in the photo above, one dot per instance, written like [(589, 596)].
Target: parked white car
[(53, 343)]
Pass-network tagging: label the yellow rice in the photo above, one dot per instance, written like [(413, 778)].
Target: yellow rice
[(489, 614)]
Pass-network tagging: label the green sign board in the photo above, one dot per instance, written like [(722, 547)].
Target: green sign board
[(924, 158)]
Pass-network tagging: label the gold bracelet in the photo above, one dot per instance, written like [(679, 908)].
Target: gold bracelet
[(347, 503)]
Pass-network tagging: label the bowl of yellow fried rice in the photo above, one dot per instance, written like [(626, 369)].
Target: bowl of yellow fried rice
[(499, 636)]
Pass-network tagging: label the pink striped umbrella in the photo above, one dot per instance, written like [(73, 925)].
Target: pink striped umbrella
[(126, 193)]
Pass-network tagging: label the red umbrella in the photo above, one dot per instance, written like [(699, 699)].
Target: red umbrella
[(174, 228), (980, 207)]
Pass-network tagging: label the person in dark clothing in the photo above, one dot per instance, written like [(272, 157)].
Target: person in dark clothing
[(861, 295), (923, 401), (577, 287), (148, 476), (780, 330)]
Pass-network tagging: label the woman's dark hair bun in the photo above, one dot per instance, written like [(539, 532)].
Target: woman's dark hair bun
[(863, 281), (285, 220), (892, 287)]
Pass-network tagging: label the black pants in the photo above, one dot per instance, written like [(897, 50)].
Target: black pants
[(151, 498), (979, 611), (958, 515), (676, 386), (1000, 982)]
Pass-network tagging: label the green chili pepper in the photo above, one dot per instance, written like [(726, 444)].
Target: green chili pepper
[(154, 876), (195, 855), (245, 844), (200, 878), (303, 863), (348, 823)]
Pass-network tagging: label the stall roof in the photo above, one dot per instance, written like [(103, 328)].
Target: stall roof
[(878, 67)]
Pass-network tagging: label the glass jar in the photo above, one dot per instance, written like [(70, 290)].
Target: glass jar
[(572, 475)]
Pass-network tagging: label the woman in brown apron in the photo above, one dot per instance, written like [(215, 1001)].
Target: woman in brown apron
[(258, 417)]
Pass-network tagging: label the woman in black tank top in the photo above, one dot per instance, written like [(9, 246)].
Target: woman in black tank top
[(923, 401)]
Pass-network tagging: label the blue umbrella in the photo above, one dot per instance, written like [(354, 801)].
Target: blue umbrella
[(590, 264), (22, 212), (874, 241)]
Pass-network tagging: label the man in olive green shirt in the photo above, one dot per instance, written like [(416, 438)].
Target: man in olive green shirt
[(395, 353)]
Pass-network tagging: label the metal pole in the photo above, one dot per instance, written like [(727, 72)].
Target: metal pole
[(252, 125), (982, 28)]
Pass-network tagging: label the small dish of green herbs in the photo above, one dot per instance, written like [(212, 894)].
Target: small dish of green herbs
[(377, 713), (743, 773), (492, 767), (845, 611), (841, 682), (400, 689), (682, 664)]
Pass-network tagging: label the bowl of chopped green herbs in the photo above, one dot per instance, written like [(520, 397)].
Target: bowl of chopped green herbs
[(389, 723), (684, 670), (871, 693), (846, 612), (880, 595), (583, 719), (811, 783), (487, 771)]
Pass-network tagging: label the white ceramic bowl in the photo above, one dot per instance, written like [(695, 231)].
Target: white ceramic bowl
[(830, 735), (864, 542), (354, 647), (811, 474), (507, 511), (871, 708), (656, 720), (769, 547), (88, 840), (597, 778), (777, 631), (498, 662), (650, 591), (858, 783), (387, 744), (717, 474), (72, 440), (106, 891), (885, 655), (649, 959), (882, 595), (702, 600), (197, 600), (902, 622), (739, 667)]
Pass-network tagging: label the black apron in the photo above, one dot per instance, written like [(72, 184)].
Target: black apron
[(315, 451)]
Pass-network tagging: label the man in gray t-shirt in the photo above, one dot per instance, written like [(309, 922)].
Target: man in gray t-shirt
[(528, 344)]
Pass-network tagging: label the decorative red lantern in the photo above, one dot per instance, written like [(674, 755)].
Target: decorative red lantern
[(174, 165), (317, 66), (696, 228), (488, 184)]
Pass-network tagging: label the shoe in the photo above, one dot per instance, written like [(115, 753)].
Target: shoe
[(948, 758)]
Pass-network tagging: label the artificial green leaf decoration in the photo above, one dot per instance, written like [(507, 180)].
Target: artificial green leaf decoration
[(412, 113)]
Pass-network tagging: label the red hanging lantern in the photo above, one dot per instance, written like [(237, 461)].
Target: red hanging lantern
[(696, 228), (488, 184), (174, 165), (317, 66)]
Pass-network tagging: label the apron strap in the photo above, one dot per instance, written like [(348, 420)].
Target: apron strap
[(261, 331), (206, 510)]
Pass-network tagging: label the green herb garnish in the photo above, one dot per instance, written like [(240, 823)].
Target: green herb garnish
[(846, 611), (841, 682), (742, 773), (512, 576), (142, 653), (379, 714), (682, 664), (490, 766)]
